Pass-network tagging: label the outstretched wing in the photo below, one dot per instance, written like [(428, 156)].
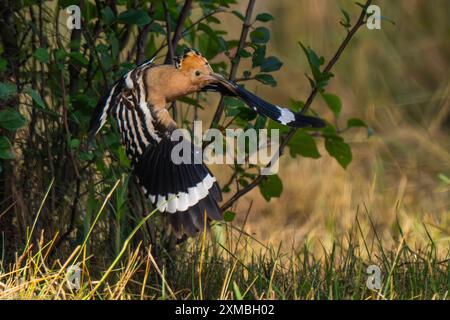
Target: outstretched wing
[(187, 190), (276, 113), (109, 102)]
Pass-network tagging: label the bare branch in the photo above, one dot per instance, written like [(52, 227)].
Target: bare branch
[(180, 23), (172, 44), (206, 16), (170, 52), (142, 38)]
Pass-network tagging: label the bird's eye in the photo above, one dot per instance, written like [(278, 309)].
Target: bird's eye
[(197, 73)]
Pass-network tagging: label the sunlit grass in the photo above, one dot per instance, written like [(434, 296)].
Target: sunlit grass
[(238, 267)]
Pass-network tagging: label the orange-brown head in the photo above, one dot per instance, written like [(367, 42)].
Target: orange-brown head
[(193, 72), (195, 67)]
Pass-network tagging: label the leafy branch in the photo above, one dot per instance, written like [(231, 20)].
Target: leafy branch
[(316, 89)]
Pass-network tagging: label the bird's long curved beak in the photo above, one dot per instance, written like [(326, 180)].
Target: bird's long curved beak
[(220, 79)]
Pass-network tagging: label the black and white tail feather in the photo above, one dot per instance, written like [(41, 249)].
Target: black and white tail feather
[(276, 113), (185, 191)]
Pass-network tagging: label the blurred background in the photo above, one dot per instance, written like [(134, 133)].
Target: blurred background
[(397, 80)]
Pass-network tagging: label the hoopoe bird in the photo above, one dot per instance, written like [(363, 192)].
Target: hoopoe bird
[(138, 102)]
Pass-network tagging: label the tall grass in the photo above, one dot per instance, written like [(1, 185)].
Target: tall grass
[(236, 267)]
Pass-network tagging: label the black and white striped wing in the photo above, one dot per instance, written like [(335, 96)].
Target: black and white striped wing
[(187, 190), (108, 104)]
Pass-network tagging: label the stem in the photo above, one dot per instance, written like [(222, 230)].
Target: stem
[(179, 28)]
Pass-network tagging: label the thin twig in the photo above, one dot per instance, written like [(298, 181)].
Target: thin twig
[(142, 37), (173, 43), (180, 23), (206, 16), (170, 52), (66, 126)]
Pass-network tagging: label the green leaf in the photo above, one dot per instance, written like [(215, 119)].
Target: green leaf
[(246, 114), (78, 57), (11, 119), (5, 149), (3, 64), (313, 59), (266, 79), (339, 150), (271, 187), (315, 62), (229, 216), (123, 159), (264, 17), (212, 19), (232, 106), (346, 16), (273, 125), (258, 56), (304, 145), (60, 54), (260, 35), (346, 22), (296, 105), (114, 44), (209, 43), (42, 55), (356, 123), (239, 15), (7, 90), (134, 16), (271, 64), (244, 53), (157, 28), (208, 30), (86, 156), (333, 102), (36, 97), (108, 16), (243, 182), (89, 11), (74, 144), (260, 122)]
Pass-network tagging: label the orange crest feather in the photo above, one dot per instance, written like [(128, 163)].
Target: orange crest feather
[(191, 60)]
